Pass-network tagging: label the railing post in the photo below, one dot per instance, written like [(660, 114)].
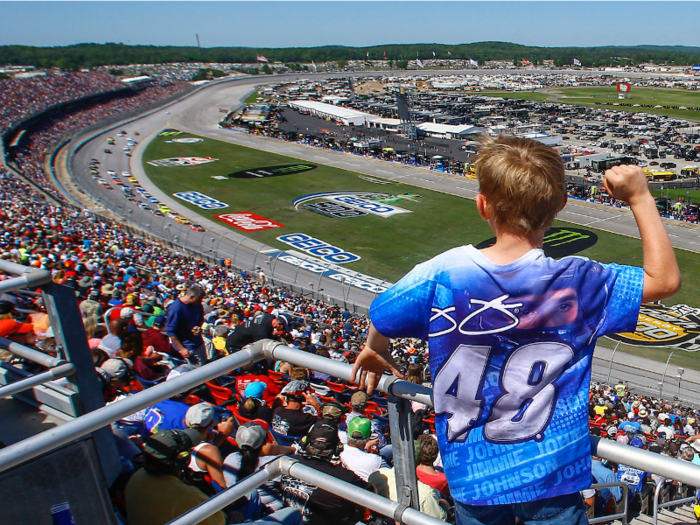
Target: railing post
[(663, 378), (404, 459), (62, 308), (612, 357)]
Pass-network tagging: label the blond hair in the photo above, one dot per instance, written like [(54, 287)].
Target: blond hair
[(523, 182)]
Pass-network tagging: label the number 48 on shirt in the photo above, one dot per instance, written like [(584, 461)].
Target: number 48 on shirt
[(528, 396)]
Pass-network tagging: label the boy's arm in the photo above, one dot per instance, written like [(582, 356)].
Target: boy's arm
[(662, 278), (374, 360)]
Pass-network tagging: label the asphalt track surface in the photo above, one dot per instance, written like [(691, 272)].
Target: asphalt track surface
[(199, 114)]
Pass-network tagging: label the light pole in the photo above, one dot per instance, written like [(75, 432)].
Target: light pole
[(165, 229), (216, 250), (175, 239), (680, 377)]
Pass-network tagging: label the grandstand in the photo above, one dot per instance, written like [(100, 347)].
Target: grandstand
[(76, 284)]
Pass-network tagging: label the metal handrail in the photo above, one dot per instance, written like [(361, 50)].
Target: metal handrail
[(622, 516), (657, 506), (30, 354), (62, 370), (292, 467), (48, 440), (27, 276)]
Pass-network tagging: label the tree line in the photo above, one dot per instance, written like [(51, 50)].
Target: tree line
[(112, 54)]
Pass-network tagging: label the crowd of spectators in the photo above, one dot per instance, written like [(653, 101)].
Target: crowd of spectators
[(663, 427), (24, 97)]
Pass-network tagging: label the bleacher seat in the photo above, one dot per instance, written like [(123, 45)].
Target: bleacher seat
[(221, 394), (283, 440)]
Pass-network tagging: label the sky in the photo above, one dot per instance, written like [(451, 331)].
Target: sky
[(357, 23)]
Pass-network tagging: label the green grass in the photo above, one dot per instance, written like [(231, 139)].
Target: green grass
[(252, 98), (689, 195), (389, 247), (588, 97)]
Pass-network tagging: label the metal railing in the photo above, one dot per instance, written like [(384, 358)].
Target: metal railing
[(664, 381), (658, 506), (48, 440), (622, 516), (292, 467)]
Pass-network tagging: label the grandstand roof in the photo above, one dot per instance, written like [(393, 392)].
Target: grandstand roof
[(346, 115), (448, 129)]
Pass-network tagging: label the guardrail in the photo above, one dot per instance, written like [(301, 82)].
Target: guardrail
[(48, 440), (622, 516)]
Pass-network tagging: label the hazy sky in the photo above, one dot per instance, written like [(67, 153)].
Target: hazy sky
[(357, 23)]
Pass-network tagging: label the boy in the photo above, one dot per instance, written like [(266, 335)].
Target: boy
[(512, 334)]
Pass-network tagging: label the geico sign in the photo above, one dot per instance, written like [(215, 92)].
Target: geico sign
[(248, 221), (376, 208), (322, 270), (358, 283), (201, 200), (318, 248)]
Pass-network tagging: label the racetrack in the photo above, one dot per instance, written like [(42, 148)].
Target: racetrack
[(199, 114)]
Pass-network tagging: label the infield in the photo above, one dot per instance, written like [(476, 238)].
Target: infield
[(427, 222)]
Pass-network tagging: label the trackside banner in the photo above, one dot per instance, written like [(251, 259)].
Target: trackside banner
[(676, 326), (331, 271), (248, 221)]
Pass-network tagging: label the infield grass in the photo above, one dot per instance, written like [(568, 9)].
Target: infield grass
[(388, 247)]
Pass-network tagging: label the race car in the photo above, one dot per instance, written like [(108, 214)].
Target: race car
[(198, 227)]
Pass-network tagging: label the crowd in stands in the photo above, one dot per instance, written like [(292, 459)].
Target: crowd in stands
[(151, 315), (662, 427), (24, 97)]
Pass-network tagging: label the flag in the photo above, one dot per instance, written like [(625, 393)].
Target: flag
[(526, 62), (367, 53), (577, 62), (433, 54), (262, 58), (449, 54), (473, 63), (384, 53), (313, 65), (418, 61)]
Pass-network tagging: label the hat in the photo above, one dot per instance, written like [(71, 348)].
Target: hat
[(221, 330), (93, 293), (643, 413), (696, 445), (255, 389), (332, 410), (178, 371), (630, 415), (126, 313), (86, 281), (637, 442), (130, 300), (116, 368), (635, 404), (359, 398), (612, 431), (107, 289), (655, 447), (6, 307), (159, 320), (359, 428), (199, 416), (172, 444), (285, 319), (322, 440), (251, 436), (180, 287), (110, 344), (587, 493), (295, 388)]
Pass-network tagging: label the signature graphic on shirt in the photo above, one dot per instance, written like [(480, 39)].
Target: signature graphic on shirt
[(496, 305)]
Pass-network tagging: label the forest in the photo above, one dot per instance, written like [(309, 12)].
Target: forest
[(88, 56)]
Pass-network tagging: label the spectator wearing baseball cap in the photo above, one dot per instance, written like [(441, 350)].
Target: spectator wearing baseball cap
[(255, 452), (155, 494), (254, 406), (155, 336), (14, 330), (358, 402), (320, 450), (291, 420), (356, 456), (206, 457)]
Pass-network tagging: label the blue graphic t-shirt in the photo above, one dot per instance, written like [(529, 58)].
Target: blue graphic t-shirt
[(510, 354)]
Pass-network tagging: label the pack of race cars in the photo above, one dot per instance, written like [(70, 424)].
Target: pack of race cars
[(135, 194)]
